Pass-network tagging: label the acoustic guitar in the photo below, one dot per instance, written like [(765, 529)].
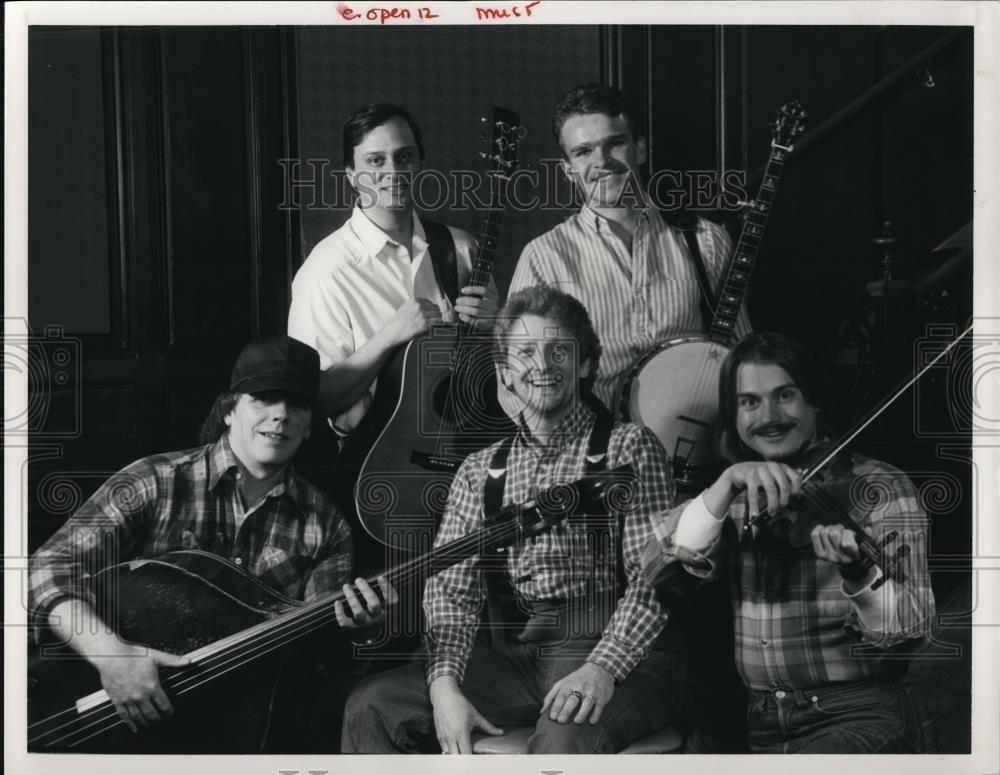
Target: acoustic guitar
[(435, 402), (196, 603), (673, 389)]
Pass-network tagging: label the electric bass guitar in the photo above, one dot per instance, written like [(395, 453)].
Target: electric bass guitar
[(229, 624), (673, 389), (435, 402)]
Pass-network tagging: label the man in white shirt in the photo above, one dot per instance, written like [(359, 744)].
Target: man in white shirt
[(371, 285)]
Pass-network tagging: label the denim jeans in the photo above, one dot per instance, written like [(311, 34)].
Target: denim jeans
[(849, 718), (391, 712)]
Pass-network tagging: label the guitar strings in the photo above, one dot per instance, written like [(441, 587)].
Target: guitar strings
[(275, 633)]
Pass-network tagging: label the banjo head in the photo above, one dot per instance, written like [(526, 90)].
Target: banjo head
[(674, 391)]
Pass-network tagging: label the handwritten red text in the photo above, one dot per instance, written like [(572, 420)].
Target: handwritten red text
[(514, 11)]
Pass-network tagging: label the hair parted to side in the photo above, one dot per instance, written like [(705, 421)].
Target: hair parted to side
[(214, 426), (589, 98), (547, 302), (364, 120), (764, 347)]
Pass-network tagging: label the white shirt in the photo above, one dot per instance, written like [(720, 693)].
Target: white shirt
[(353, 282)]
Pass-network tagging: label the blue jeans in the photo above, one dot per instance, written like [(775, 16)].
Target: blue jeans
[(391, 712), (848, 718)]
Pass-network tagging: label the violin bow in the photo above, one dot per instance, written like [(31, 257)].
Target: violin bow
[(860, 426), (852, 434)]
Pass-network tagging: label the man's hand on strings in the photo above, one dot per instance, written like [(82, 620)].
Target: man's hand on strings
[(363, 608)]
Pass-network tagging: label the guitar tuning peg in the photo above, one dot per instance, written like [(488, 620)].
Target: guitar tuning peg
[(483, 155), (483, 120), (484, 138)]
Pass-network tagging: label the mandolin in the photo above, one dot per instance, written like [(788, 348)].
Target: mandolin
[(228, 623), (673, 388), (435, 402)]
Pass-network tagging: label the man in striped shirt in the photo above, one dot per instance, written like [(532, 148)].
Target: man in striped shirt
[(588, 670), (237, 496), (631, 270), (820, 649)]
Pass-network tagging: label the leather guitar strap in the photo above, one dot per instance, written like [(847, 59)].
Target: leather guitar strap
[(596, 462), (687, 225), (496, 578), (441, 247)]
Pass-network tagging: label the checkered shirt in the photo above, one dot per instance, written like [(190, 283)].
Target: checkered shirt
[(560, 564), (295, 541), (794, 625)]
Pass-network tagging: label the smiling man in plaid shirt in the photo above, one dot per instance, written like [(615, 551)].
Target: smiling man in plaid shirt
[(588, 670), (237, 496), (820, 650)]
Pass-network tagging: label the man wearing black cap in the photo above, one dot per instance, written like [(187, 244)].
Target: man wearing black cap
[(236, 496)]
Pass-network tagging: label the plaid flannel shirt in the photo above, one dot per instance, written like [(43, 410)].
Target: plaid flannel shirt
[(295, 540), (560, 564), (794, 624)]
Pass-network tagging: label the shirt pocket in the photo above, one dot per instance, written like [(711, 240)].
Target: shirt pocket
[(172, 538), (283, 570)]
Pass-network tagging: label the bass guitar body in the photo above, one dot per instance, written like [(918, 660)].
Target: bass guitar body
[(178, 603), (426, 418), (674, 391)]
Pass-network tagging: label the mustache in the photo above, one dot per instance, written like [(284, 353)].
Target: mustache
[(770, 427)]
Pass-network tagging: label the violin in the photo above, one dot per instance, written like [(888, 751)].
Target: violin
[(828, 485), (828, 482)]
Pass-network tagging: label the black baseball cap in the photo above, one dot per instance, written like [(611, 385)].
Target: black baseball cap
[(277, 363)]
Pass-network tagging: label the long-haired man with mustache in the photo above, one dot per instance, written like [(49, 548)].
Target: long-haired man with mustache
[(819, 645), (632, 269), (381, 279)]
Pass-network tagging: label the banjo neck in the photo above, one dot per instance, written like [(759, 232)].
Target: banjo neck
[(737, 280)]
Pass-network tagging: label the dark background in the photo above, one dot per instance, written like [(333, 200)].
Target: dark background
[(163, 232)]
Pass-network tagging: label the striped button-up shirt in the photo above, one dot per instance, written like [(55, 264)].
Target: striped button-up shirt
[(295, 540), (561, 564), (635, 300), (795, 625)]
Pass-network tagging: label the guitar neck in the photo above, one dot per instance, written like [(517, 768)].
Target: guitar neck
[(737, 282), (482, 267)]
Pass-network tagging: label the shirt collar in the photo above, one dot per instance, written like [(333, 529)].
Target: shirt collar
[(600, 224), (222, 463), (373, 239), (569, 427)]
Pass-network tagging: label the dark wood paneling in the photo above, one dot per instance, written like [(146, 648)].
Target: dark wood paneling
[(198, 256), (209, 243)]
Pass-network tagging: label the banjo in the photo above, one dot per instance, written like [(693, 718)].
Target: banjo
[(673, 388)]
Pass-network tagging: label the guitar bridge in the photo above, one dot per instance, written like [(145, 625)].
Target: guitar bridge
[(436, 463)]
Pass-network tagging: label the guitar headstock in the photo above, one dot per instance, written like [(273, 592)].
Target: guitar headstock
[(788, 124), (505, 134)]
